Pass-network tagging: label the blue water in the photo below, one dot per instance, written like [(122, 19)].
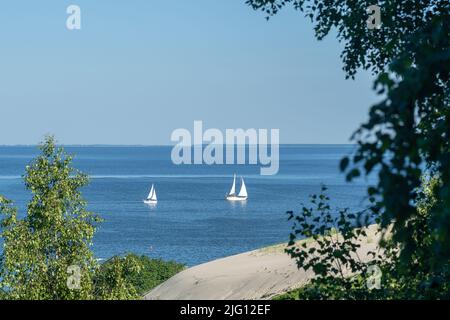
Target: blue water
[(192, 223)]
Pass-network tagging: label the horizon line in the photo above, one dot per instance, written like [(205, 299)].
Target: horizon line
[(170, 145)]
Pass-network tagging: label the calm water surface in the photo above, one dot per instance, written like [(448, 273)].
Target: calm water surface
[(192, 223)]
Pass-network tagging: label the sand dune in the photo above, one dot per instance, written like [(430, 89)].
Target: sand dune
[(259, 274)]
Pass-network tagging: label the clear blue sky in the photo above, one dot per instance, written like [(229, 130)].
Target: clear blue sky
[(140, 69)]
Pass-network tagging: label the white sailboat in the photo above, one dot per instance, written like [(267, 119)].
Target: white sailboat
[(241, 196), (151, 198)]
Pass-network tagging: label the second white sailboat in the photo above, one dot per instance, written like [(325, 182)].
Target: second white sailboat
[(241, 196)]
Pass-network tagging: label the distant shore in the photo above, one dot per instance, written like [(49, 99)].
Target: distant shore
[(258, 274)]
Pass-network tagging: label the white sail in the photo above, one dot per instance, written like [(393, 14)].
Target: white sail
[(243, 192), (233, 187), (153, 197), (152, 191)]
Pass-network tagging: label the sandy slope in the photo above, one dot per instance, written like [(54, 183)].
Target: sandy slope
[(258, 274)]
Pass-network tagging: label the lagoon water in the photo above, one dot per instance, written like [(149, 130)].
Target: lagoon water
[(192, 223)]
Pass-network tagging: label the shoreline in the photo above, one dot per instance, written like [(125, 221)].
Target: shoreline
[(258, 274)]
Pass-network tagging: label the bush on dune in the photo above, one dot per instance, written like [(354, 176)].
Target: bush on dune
[(140, 272)]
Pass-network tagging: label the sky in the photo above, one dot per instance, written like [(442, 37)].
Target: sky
[(137, 70)]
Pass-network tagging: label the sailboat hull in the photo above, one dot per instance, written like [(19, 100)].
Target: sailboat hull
[(236, 198), (149, 201)]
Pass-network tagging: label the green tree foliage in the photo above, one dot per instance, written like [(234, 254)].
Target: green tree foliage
[(111, 281), (142, 272), (43, 252), (407, 135), (332, 252), (55, 234), (333, 237)]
